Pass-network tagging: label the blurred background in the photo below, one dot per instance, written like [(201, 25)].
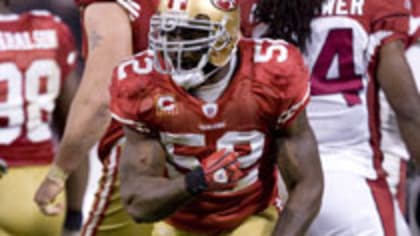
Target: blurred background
[(69, 13), (66, 9)]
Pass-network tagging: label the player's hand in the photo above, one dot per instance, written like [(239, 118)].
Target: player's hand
[(3, 167), (48, 191), (222, 170), (45, 197)]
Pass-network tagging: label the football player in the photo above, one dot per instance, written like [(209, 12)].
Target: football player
[(375, 59), (130, 19), (108, 40), (203, 115), (90, 116), (357, 47), (37, 56), (396, 156)]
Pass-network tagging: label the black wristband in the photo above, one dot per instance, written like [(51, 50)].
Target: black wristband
[(195, 181), (73, 220)]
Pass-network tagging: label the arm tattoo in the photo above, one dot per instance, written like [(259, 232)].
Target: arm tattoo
[(94, 40)]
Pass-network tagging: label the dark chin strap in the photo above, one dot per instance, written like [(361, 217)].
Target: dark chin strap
[(209, 68)]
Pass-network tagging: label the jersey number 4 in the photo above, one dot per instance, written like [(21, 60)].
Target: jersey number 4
[(337, 52), (27, 100)]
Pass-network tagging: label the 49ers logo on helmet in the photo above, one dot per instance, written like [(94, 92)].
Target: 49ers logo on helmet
[(225, 5)]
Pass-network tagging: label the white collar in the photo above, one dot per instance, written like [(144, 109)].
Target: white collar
[(9, 17), (211, 92)]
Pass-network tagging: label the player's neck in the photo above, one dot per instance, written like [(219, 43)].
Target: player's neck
[(219, 75), (211, 91)]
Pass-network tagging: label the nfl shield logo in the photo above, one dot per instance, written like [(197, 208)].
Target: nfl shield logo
[(210, 110)]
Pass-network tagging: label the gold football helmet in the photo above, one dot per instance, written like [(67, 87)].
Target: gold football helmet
[(217, 22)]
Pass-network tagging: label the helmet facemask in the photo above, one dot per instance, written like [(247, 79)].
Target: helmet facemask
[(183, 46)]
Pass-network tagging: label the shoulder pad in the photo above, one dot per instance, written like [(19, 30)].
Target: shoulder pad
[(133, 77), (388, 15), (131, 90), (276, 60), (44, 15), (139, 65), (281, 78)]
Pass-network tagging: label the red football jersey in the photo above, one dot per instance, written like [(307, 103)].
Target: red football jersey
[(140, 12), (268, 89), (37, 53)]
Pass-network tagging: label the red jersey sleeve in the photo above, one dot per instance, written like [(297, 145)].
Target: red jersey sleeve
[(286, 73), (131, 104), (389, 21), (415, 19), (67, 57)]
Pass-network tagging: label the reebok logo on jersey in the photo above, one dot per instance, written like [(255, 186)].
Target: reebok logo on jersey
[(28, 40), (207, 127)]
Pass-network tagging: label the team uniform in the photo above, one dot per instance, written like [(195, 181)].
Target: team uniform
[(396, 155), (268, 87), (37, 53), (344, 113), (413, 55), (107, 216)]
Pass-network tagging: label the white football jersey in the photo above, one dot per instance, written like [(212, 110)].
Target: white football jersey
[(342, 55)]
